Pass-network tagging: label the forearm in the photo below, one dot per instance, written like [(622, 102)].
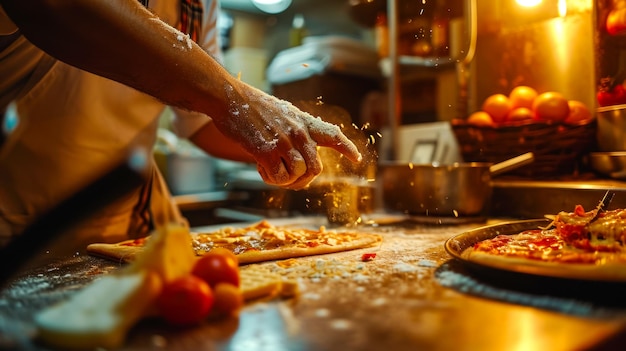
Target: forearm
[(123, 41), (213, 142)]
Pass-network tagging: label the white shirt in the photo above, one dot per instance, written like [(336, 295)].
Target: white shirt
[(71, 123)]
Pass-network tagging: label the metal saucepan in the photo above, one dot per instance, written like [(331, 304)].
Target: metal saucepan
[(611, 164), (459, 189)]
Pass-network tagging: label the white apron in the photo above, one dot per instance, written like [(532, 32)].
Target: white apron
[(66, 138), (72, 125)]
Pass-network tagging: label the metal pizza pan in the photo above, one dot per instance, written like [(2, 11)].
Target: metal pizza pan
[(524, 269)]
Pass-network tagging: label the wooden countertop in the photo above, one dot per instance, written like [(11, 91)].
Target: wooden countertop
[(410, 297)]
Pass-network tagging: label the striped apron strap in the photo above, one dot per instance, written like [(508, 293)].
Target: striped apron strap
[(191, 18)]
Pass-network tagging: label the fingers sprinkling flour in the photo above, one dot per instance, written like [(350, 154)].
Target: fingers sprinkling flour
[(282, 138)]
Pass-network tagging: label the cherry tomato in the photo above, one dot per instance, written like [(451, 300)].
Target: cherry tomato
[(606, 98), (228, 299), (218, 266), (368, 256), (579, 210), (185, 301), (616, 22), (616, 96)]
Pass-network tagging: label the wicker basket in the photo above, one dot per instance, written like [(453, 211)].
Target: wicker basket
[(558, 148)]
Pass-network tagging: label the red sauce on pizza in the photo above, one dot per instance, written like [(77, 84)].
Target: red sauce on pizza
[(572, 238), (136, 242)]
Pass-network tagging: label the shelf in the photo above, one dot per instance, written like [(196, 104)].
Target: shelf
[(416, 63)]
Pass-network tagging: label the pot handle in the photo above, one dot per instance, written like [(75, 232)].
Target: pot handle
[(512, 163)]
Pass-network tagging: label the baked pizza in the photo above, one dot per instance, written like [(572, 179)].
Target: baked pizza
[(578, 241), (258, 242)]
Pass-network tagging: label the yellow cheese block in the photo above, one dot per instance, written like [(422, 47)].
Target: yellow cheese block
[(169, 253), (101, 314)]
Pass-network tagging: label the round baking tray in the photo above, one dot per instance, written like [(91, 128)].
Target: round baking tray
[(456, 245)]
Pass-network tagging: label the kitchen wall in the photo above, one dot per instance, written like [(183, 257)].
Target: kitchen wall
[(263, 35), (542, 49), (322, 17), (255, 38)]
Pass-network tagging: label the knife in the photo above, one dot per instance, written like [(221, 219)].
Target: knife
[(602, 205)]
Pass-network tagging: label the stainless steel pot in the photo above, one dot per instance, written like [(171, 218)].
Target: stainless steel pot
[(611, 164), (612, 128), (459, 189)]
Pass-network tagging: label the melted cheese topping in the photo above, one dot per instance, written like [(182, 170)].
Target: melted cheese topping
[(264, 236), (606, 233), (547, 246)]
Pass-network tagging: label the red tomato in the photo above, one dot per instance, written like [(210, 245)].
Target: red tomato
[(616, 22), (605, 98), (185, 301), (617, 96), (218, 266), (368, 256)]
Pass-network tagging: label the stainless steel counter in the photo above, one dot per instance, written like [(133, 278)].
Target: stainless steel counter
[(410, 297), (534, 199), (511, 199)]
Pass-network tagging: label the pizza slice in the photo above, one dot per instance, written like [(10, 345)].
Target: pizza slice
[(606, 233), (585, 243), (258, 242)]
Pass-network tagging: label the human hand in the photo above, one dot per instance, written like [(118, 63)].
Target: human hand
[(282, 139)]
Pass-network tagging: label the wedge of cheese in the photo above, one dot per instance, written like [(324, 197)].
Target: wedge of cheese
[(101, 314), (169, 253)]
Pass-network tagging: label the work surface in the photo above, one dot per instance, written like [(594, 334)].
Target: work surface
[(411, 296)]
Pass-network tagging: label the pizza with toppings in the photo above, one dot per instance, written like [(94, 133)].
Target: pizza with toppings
[(258, 242), (576, 244)]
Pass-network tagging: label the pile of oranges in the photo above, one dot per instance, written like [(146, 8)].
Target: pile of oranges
[(525, 104)]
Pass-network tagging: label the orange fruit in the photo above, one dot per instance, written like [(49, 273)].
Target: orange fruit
[(497, 106), (480, 118), (578, 112), (520, 114), (551, 106), (522, 96), (228, 299)]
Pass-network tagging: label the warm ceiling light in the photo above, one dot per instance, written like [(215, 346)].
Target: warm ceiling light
[(562, 8), (528, 3), (272, 6)]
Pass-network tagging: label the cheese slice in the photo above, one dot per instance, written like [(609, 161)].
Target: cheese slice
[(169, 253), (100, 314)]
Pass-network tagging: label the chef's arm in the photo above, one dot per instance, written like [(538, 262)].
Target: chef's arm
[(200, 130), (213, 142), (123, 41)]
